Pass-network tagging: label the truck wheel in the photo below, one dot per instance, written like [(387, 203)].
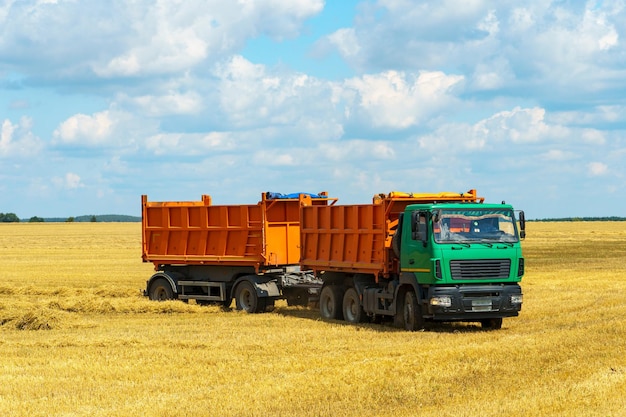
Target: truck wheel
[(412, 315), (330, 303), (491, 324), (247, 299), (161, 290), (352, 310)]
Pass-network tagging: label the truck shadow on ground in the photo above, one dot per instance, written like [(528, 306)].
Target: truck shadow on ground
[(384, 326)]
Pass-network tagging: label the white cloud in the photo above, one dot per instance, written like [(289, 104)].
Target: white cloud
[(251, 95), (492, 75), (116, 130), (599, 115), (279, 158), (189, 143), (170, 103), (490, 23), (357, 150), (454, 138), (520, 125), (399, 100), (597, 169), (540, 45), (346, 41), (558, 155), (70, 181), (17, 140), (593, 137), (7, 135), (85, 130), (175, 36), (521, 19), (123, 39)]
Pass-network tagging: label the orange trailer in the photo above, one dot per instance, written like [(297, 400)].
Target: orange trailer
[(211, 253)]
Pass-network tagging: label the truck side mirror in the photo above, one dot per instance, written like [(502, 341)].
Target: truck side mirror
[(522, 225), (436, 216)]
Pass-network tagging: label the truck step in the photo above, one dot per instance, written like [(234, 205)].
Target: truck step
[(215, 291)]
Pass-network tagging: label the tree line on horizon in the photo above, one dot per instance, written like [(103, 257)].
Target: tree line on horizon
[(13, 218)]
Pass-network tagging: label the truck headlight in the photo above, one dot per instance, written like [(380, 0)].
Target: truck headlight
[(441, 301), (516, 299)]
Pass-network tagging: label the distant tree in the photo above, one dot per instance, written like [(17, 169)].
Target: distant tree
[(93, 219), (70, 220), (36, 219), (9, 218)]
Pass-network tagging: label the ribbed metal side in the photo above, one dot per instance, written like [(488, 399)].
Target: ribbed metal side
[(480, 268)]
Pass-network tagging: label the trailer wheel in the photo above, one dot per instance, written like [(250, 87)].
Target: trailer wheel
[(491, 324), (331, 303), (352, 309), (247, 299), (161, 290), (411, 313)]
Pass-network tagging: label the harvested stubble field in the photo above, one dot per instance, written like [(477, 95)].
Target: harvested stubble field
[(77, 338)]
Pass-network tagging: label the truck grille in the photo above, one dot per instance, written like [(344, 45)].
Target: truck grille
[(480, 268)]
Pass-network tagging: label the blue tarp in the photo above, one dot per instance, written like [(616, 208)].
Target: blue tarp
[(275, 196)]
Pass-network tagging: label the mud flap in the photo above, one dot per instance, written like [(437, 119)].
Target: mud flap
[(266, 289)]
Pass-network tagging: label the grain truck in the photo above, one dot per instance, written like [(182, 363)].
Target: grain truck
[(416, 257), (214, 253)]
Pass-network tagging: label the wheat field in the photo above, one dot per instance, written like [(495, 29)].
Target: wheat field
[(77, 338)]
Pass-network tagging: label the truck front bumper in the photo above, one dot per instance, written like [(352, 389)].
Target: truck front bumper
[(473, 302)]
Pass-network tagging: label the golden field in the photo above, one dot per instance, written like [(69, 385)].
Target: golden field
[(77, 338)]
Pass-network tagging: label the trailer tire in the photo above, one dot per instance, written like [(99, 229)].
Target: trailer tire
[(352, 308), (331, 302), (247, 299), (411, 313), (161, 290)]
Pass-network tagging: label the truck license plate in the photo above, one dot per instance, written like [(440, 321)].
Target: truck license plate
[(481, 304)]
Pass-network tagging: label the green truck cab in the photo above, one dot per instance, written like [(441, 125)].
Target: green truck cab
[(463, 260)]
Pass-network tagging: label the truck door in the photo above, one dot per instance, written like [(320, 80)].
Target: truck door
[(417, 246)]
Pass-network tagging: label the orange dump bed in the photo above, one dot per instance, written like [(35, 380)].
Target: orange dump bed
[(344, 238), (357, 238), (198, 233)]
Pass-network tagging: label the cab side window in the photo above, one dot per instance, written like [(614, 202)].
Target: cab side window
[(419, 226)]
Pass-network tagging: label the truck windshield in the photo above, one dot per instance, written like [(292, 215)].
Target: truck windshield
[(453, 226)]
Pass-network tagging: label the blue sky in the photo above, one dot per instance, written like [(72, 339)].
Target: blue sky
[(101, 102)]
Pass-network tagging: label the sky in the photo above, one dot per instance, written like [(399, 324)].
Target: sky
[(103, 101)]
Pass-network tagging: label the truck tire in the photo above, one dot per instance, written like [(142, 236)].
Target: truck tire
[(411, 313), (352, 309), (331, 303), (247, 299), (491, 324), (161, 290)]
